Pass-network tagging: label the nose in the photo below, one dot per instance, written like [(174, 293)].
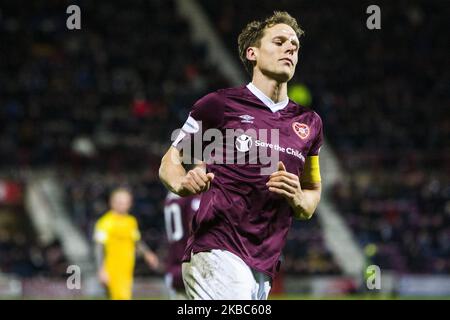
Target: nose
[(290, 48)]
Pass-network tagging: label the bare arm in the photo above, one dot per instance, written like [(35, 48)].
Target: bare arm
[(303, 199), (150, 257), (142, 247), (173, 175), (100, 259), (99, 255), (309, 200)]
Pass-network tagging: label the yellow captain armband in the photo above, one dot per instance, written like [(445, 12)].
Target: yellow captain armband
[(311, 171)]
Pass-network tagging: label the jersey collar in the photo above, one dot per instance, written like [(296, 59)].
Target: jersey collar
[(274, 107)]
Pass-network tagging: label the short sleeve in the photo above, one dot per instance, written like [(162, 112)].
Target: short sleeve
[(101, 232), (206, 113), (135, 232), (318, 140)]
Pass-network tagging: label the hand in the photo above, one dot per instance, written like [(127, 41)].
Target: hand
[(103, 276), (194, 182), (152, 260), (287, 185)]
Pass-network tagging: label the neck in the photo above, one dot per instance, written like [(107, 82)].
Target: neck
[(118, 212), (276, 91)]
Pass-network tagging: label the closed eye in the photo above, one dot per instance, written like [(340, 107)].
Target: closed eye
[(280, 40)]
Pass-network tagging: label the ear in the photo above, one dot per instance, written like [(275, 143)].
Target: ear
[(252, 53)]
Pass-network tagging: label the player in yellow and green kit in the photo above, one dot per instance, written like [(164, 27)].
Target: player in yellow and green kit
[(117, 236)]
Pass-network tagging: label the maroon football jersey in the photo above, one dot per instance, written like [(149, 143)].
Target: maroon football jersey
[(239, 213), (178, 214)]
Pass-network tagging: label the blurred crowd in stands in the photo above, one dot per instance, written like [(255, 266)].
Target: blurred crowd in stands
[(401, 220), (21, 252), (99, 105)]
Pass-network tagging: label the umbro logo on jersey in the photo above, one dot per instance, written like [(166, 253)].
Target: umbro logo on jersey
[(301, 129), (246, 118)]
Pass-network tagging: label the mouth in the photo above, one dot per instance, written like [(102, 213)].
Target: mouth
[(287, 60)]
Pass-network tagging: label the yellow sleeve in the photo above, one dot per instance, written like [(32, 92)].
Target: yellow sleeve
[(136, 233), (311, 171), (101, 231)]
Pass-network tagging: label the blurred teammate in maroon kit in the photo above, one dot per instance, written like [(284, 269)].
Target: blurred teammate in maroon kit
[(178, 214)]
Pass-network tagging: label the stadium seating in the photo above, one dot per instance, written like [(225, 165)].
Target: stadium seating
[(21, 254)]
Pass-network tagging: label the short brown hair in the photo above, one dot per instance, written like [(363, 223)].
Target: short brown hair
[(254, 31), (120, 190)]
